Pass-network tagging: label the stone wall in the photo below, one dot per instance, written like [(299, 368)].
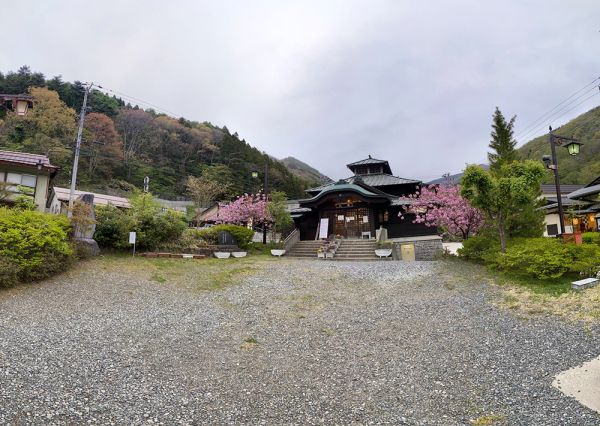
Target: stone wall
[(429, 249)]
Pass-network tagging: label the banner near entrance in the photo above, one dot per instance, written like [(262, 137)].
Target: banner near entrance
[(323, 228)]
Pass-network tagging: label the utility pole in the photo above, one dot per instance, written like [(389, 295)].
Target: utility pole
[(267, 197), (561, 219), (77, 149)]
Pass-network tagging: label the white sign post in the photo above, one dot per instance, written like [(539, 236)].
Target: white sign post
[(323, 228), (132, 236)]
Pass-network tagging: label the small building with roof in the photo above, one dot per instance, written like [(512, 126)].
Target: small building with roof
[(361, 206), (58, 201), (26, 175)]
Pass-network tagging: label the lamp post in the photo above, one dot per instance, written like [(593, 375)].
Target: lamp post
[(254, 174), (573, 146)]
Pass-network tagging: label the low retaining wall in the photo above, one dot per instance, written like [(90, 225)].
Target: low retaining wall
[(425, 248)]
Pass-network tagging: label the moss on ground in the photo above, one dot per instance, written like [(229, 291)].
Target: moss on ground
[(195, 274)]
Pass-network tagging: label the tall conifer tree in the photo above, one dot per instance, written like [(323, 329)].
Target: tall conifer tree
[(502, 143)]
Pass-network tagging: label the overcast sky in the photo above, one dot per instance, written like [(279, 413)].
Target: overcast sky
[(328, 82)]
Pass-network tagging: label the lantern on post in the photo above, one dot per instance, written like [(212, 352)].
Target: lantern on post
[(573, 147)]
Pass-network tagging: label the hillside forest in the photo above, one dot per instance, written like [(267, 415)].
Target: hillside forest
[(123, 143), (582, 168)]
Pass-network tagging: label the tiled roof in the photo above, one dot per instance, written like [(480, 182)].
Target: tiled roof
[(382, 179), (375, 180), (584, 192), (342, 186), (564, 188), (99, 199), (26, 159), (367, 161)]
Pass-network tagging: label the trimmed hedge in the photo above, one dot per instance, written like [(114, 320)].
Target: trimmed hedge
[(33, 245), (546, 258), (241, 234), (542, 258)]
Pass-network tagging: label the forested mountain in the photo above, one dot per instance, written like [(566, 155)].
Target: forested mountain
[(305, 171), (122, 143), (582, 168)]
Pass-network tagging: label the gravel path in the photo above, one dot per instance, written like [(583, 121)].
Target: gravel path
[(299, 342)]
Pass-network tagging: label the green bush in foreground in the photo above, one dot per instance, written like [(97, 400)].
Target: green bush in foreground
[(591, 237), (480, 248), (33, 245), (547, 258)]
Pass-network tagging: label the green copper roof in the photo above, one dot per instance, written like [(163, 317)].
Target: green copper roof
[(342, 186)]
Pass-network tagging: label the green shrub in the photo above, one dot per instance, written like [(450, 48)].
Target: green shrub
[(153, 226), (541, 258), (241, 234), (9, 272), (190, 240), (546, 258), (584, 259), (37, 244), (591, 237), (480, 249), (112, 227), (207, 234), (158, 228)]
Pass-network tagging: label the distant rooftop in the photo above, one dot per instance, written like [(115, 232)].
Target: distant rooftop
[(564, 188), (356, 167), (26, 159), (99, 199)]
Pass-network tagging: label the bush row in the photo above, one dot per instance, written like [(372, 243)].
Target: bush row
[(541, 258)]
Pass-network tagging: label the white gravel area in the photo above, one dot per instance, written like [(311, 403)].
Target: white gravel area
[(298, 342)]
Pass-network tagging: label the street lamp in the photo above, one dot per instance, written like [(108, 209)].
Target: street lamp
[(254, 175), (551, 163)]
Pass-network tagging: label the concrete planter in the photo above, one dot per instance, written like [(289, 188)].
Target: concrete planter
[(222, 254), (383, 252)]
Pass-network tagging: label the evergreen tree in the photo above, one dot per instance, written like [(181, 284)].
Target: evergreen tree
[(502, 143)]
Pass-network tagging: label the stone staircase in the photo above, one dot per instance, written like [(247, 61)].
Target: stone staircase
[(348, 250), (356, 250), (305, 249)]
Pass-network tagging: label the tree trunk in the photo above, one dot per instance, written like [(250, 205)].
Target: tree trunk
[(502, 233)]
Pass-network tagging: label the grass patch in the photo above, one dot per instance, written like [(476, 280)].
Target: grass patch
[(249, 343), (158, 278), (199, 275), (487, 420), (526, 295)]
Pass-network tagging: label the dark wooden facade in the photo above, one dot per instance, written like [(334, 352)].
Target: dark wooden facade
[(359, 205)]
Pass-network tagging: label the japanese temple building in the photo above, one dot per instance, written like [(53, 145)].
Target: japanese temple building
[(359, 206)]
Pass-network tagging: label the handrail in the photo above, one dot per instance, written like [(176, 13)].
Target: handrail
[(291, 240)]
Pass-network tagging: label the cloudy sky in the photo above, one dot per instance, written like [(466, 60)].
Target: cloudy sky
[(328, 82)]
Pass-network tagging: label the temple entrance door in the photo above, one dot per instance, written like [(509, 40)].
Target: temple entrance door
[(352, 223)]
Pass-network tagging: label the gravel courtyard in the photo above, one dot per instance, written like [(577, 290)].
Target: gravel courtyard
[(293, 342)]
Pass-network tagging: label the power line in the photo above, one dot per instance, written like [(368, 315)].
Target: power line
[(562, 111), (544, 116), (138, 100)]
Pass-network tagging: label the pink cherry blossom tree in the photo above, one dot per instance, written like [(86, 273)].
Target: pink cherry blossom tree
[(444, 207), (245, 209)]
